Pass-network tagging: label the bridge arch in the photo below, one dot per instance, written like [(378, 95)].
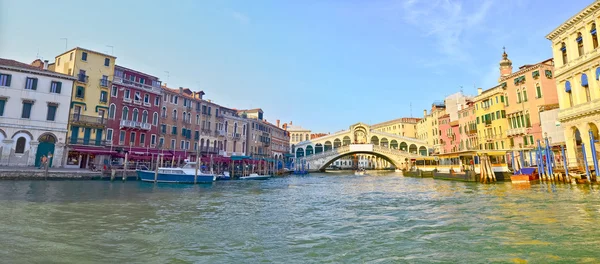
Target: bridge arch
[(309, 150), (384, 142), (328, 146), (337, 143), (403, 146), (385, 157), (375, 140), (394, 144), (412, 148), (318, 148), (299, 152)]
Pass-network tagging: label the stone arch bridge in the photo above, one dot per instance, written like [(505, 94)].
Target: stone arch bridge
[(318, 153)]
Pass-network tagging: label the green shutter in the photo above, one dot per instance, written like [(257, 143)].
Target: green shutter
[(58, 86), (502, 98), (51, 113), (8, 80), (34, 84), (2, 103)]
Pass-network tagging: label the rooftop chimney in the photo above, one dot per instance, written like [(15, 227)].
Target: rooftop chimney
[(180, 89), (45, 64), (479, 91), (425, 113), (278, 122)]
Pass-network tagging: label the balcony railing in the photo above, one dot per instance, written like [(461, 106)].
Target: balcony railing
[(103, 83), (87, 142), (87, 120), (208, 150), (219, 133), (82, 78), (120, 80), (219, 116), (135, 125), (516, 131), (236, 135)]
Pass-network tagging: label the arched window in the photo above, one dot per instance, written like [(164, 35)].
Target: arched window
[(125, 114), (524, 95), (227, 126), (183, 115), (197, 119), (594, 36), (111, 111), (134, 115), (189, 118), (20, 149), (244, 130), (215, 145), (518, 96), (145, 116), (174, 114), (155, 119), (579, 40), (538, 91), (563, 49), (235, 128), (163, 112)]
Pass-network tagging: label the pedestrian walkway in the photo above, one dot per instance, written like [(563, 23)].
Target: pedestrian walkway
[(55, 170)]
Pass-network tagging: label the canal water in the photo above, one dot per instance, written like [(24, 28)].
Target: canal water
[(320, 218)]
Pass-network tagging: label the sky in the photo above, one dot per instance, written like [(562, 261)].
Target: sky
[(323, 64)]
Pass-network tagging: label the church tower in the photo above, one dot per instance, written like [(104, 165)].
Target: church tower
[(505, 65)]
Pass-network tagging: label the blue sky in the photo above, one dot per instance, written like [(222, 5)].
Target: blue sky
[(323, 64)]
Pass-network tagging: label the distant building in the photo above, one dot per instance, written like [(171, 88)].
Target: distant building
[(428, 127), (467, 123), (34, 113), (405, 126), (491, 118)]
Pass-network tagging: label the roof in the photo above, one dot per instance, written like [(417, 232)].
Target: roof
[(86, 50), (13, 64), (526, 68), (410, 120), (251, 110), (132, 70)]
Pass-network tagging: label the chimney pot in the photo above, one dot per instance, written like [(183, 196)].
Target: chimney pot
[(425, 113), (180, 89), (479, 91), (45, 64), (278, 122)]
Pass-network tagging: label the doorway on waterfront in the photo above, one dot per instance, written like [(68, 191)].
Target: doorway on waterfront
[(45, 147)]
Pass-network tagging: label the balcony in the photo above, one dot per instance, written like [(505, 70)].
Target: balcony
[(82, 78), (120, 80), (236, 135), (219, 133), (84, 120), (135, 125), (487, 123), (87, 142), (219, 117), (104, 83), (206, 131), (137, 102), (516, 131), (472, 131), (208, 150)]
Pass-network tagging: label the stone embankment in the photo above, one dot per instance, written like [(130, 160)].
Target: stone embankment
[(31, 173)]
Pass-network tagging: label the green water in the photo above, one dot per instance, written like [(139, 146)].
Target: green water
[(321, 218)]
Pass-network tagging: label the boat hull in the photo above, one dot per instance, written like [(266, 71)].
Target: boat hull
[(148, 176), (256, 178)]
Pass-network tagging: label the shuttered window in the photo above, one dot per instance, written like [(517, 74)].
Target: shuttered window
[(26, 112)]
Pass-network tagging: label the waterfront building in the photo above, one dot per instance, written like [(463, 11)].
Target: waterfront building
[(297, 133), (454, 103), (449, 134), (93, 72), (577, 70), (133, 114), (280, 141), (235, 131), (525, 91), (259, 133), (467, 124), (34, 113), (551, 127), (428, 127), (405, 126), (491, 118)]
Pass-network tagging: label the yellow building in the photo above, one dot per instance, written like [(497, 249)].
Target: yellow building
[(577, 70), (491, 118), (406, 126), (428, 127), (89, 103)]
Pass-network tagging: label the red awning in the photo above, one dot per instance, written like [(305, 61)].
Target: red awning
[(93, 150)]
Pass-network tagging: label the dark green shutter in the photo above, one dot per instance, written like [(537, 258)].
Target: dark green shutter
[(58, 86), (8, 80), (34, 84), (2, 103), (51, 113)]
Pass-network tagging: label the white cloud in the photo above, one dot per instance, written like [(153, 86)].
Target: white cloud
[(240, 17)]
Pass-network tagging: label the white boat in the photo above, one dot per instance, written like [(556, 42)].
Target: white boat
[(397, 170), (360, 172), (255, 176), (185, 174)]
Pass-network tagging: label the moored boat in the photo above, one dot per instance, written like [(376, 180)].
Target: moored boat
[(255, 176), (224, 177), (525, 175), (185, 174)]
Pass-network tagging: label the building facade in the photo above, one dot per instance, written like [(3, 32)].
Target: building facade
[(280, 141), (526, 90), (577, 70), (133, 113), (90, 99), (428, 127), (467, 127), (34, 114), (405, 126), (491, 118), (259, 134), (235, 130)]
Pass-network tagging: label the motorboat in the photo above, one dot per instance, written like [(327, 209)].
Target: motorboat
[(360, 172), (185, 174), (224, 177), (255, 176)]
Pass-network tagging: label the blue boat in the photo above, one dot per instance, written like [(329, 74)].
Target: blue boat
[(185, 174)]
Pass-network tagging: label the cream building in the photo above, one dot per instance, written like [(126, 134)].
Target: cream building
[(406, 126), (428, 127), (297, 133), (577, 72), (34, 113)]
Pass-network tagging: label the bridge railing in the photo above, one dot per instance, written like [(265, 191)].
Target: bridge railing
[(326, 153), (345, 148)]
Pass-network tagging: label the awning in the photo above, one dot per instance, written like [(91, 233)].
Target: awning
[(584, 80), (93, 150), (239, 157), (568, 87), (79, 103), (598, 73)]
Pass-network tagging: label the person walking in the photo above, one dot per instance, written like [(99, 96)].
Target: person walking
[(43, 161)]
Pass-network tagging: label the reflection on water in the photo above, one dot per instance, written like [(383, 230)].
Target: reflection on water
[(329, 217)]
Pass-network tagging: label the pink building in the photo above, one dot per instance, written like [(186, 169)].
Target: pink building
[(448, 137), (526, 90)]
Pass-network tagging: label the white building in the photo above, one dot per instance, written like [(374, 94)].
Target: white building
[(34, 113)]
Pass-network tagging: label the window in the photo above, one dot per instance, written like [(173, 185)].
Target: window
[(518, 96), (134, 115), (127, 94), (80, 92), (51, 115), (109, 134), (163, 112), (142, 139), (138, 97), (104, 81), (175, 99), (2, 104), (31, 83), (172, 143), (161, 141), (166, 98), (579, 40), (125, 114), (594, 36), (563, 49), (84, 56), (174, 114), (155, 119), (55, 87), (58, 62), (570, 99), (26, 111), (121, 137), (145, 116), (182, 145), (146, 98), (103, 96), (156, 100), (524, 95), (106, 62), (20, 148), (152, 139), (132, 138), (142, 81), (538, 91), (587, 93), (174, 130), (5, 80)]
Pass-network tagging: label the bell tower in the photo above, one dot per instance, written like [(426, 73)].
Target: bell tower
[(505, 64)]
